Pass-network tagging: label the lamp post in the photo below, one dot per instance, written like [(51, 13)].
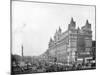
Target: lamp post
[(55, 60)]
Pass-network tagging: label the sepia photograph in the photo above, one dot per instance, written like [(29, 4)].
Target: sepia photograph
[(52, 37)]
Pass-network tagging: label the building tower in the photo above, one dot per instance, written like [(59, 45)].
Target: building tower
[(84, 42), (72, 47)]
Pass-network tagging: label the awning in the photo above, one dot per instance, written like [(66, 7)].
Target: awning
[(88, 58), (80, 59)]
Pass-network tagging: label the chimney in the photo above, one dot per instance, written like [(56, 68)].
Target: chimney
[(22, 50)]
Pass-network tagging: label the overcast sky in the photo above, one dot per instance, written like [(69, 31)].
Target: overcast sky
[(34, 23)]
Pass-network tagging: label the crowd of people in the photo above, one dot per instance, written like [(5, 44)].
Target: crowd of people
[(23, 67)]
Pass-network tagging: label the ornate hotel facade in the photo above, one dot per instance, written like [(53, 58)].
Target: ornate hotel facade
[(71, 45)]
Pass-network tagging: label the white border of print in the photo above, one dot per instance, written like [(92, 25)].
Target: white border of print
[(5, 37)]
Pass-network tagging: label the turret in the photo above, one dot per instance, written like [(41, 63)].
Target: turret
[(59, 30), (72, 24), (87, 26), (57, 34), (78, 29), (51, 42)]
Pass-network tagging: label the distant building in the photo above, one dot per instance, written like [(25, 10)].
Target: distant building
[(71, 45)]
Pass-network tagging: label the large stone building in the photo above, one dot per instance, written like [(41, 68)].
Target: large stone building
[(71, 45)]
